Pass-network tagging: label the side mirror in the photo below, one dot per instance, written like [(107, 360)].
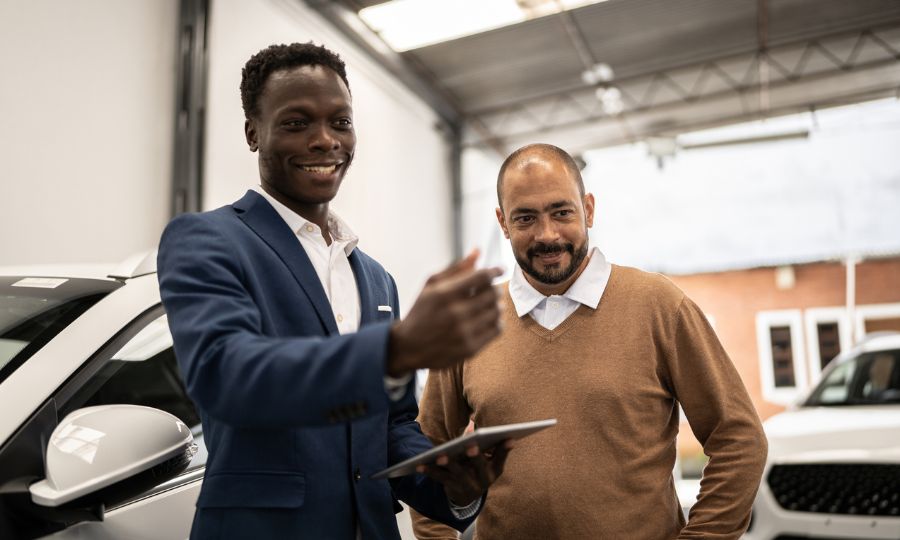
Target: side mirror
[(103, 455)]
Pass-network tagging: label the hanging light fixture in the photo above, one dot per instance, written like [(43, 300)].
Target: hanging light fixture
[(610, 97)]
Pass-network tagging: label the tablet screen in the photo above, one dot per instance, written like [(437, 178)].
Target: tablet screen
[(486, 437)]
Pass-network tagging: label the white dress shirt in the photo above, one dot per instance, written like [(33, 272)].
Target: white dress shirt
[(335, 273), (330, 261), (551, 311)]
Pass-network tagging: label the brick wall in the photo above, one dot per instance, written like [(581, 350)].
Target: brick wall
[(732, 300)]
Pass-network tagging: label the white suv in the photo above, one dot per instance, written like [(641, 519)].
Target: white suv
[(833, 469)]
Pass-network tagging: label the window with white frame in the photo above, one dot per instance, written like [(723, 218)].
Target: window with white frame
[(782, 354), (876, 318), (827, 334), (796, 345)]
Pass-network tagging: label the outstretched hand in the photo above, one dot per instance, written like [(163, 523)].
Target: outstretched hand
[(467, 477)]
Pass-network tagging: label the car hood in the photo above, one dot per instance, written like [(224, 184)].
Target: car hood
[(856, 434)]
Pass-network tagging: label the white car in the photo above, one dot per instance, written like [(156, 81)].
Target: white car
[(78, 458), (833, 470)]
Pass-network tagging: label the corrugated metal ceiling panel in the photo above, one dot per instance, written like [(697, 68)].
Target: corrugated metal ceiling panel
[(693, 46), (633, 36), (640, 36)]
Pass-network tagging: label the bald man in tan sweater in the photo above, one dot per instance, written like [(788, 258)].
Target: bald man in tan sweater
[(611, 352)]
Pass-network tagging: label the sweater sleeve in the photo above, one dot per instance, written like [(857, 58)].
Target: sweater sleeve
[(724, 420), (443, 415)]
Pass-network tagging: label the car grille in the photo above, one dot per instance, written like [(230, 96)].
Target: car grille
[(867, 490)]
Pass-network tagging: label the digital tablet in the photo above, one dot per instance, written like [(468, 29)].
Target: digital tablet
[(486, 437)]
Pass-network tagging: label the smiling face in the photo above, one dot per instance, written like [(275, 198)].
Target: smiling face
[(305, 138), (546, 220)]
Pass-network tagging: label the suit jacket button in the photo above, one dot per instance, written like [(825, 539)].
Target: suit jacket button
[(357, 475)]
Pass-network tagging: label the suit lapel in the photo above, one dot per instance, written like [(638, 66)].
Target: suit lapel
[(364, 284), (259, 215)]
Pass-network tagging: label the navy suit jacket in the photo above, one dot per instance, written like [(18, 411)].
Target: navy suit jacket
[(295, 415)]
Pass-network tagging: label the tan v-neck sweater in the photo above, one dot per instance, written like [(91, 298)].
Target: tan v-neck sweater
[(613, 377)]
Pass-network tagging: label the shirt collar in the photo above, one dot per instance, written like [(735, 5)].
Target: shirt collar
[(587, 289), (340, 231)]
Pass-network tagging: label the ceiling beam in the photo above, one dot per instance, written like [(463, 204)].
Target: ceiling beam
[(871, 33), (576, 38), (720, 110), (724, 89)]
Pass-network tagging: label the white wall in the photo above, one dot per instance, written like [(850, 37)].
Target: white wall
[(397, 195), (479, 192), (85, 151)]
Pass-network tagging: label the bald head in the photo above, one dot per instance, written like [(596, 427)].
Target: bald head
[(538, 155)]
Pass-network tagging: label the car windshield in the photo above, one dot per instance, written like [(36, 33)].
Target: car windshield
[(869, 379), (35, 309)]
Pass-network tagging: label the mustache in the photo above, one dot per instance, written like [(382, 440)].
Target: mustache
[(542, 248)]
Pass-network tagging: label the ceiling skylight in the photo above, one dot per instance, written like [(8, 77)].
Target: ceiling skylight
[(410, 24)]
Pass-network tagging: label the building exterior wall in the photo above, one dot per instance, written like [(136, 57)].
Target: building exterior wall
[(733, 300)]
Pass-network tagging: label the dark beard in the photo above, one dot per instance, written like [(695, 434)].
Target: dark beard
[(552, 276)]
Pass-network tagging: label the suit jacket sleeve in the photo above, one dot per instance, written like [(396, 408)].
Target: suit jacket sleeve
[(232, 369)]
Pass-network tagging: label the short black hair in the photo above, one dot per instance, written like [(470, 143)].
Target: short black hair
[(542, 150), (277, 57)]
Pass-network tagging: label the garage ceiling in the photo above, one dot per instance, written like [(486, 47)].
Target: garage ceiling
[(679, 65)]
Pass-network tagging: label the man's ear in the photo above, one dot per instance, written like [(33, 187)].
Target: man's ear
[(251, 135), (502, 221), (589, 209)]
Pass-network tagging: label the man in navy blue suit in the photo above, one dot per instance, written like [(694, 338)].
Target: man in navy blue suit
[(287, 337)]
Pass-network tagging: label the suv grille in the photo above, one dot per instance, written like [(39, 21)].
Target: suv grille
[(868, 490)]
